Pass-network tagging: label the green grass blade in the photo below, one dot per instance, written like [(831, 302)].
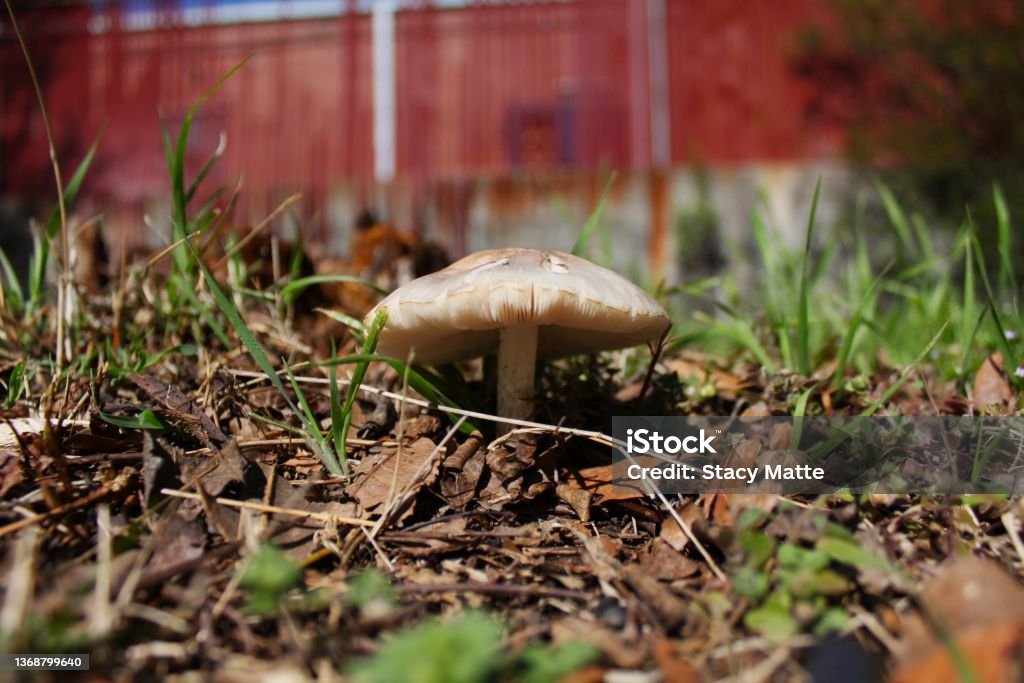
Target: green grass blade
[(1007, 278), (229, 310), (803, 310), (595, 216), (896, 216), (11, 283), (314, 439), (72, 188), (416, 379), (338, 436), (191, 298), (295, 287), (147, 419), (205, 170), (369, 346), (37, 272), (1010, 352), (176, 167), (355, 325), (846, 351)]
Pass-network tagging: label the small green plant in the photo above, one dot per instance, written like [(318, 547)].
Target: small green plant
[(466, 650), (371, 593), (267, 576), (792, 587)]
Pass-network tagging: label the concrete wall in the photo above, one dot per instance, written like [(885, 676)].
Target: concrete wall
[(700, 222)]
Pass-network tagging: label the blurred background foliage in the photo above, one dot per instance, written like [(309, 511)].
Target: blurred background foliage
[(929, 91)]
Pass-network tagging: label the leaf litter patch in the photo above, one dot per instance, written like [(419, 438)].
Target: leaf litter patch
[(177, 520)]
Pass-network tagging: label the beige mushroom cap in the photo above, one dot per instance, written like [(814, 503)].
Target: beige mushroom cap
[(457, 313)]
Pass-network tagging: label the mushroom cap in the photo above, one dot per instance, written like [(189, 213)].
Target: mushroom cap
[(457, 313)]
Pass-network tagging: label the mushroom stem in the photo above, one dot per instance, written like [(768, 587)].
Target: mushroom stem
[(517, 356)]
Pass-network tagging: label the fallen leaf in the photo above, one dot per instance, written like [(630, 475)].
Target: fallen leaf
[(673, 535), (743, 454), (759, 409), (674, 669), (461, 484), (10, 471), (180, 410), (509, 463), (179, 539), (972, 591), (158, 469), (780, 436), (578, 499), (666, 563), (993, 653), (381, 482), (977, 606), (991, 386), (225, 467)]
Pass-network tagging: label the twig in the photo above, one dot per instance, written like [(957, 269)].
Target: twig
[(526, 425), (118, 486), (20, 581), (260, 507), (102, 617), (875, 628), (656, 351), (1010, 524)]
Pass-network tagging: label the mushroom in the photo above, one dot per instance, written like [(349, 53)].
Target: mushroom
[(523, 303)]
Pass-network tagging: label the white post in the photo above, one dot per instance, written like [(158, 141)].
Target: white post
[(661, 122), (384, 90)]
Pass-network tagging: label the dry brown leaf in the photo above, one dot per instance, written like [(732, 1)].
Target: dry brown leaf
[(179, 538), (600, 481), (687, 369), (674, 669), (673, 535), (460, 485), (780, 436), (972, 591), (216, 473), (727, 383), (381, 481), (994, 653), (991, 386), (10, 471), (422, 425), (508, 463), (978, 605), (759, 409), (578, 499), (743, 454), (666, 563)]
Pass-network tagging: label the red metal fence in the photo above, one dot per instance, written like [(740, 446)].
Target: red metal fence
[(495, 89)]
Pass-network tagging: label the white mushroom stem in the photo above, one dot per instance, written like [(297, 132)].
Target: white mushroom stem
[(517, 356)]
